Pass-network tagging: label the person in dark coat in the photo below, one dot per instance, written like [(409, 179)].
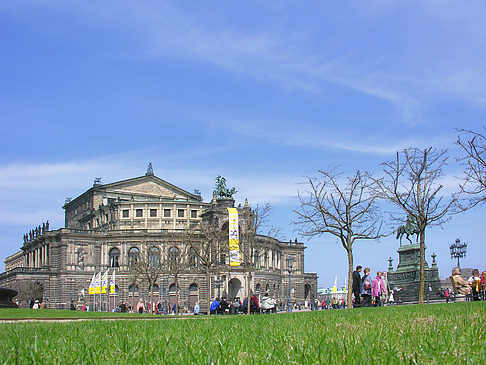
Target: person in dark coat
[(254, 307), (223, 306), (357, 286), (244, 306)]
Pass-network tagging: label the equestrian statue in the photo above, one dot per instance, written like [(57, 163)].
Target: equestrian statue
[(409, 229)]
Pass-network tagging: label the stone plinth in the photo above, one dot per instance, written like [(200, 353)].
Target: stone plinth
[(407, 275)]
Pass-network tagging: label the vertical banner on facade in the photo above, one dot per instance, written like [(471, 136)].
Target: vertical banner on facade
[(98, 283), (234, 238), (112, 282), (92, 285), (104, 281)]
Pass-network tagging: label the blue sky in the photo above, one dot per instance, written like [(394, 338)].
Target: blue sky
[(264, 93)]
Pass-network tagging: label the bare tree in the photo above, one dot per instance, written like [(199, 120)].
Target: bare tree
[(207, 244), (250, 246), (345, 209), (29, 290), (474, 146), (412, 183), (148, 265), (178, 262)]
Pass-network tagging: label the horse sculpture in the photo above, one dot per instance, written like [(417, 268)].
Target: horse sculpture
[(402, 230)]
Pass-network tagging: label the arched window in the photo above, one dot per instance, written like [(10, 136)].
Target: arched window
[(172, 288), (173, 256), (256, 258), (155, 289), (154, 257), (192, 258), (133, 255), (193, 287), (132, 289), (114, 257), (258, 288)]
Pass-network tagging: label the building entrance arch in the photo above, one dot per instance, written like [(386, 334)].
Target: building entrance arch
[(308, 294), (234, 287)]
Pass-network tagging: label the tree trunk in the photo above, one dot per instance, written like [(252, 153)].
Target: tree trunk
[(422, 267), (208, 278), (248, 292), (177, 294), (349, 299), (151, 296)]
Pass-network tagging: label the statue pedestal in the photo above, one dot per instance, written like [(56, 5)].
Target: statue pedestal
[(407, 275), (225, 203)]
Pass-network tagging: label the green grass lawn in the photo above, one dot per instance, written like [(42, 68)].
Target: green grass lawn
[(439, 333), (53, 313)]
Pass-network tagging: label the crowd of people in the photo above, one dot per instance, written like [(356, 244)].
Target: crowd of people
[(370, 291), (472, 288), (236, 306)]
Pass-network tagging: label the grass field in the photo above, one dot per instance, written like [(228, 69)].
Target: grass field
[(439, 333)]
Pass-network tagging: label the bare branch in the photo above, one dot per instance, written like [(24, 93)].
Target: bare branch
[(474, 161), (346, 210)]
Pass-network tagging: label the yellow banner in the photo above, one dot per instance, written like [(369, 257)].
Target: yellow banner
[(92, 284), (234, 238), (104, 281), (112, 283), (98, 283)]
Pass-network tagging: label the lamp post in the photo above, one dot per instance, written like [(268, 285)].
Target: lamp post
[(458, 250), (218, 283), (290, 263)]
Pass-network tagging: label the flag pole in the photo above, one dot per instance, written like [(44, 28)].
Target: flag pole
[(108, 290), (101, 279)]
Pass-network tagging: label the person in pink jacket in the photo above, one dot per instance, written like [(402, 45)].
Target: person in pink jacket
[(377, 288)]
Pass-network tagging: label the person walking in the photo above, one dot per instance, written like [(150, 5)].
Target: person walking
[(196, 309), (366, 288), (357, 287), (140, 306), (214, 306), (386, 288), (377, 289)]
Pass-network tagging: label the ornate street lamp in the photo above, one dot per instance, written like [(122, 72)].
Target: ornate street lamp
[(458, 250), (290, 263)]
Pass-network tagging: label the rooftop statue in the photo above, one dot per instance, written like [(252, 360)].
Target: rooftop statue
[(221, 191), (150, 170), (409, 229)]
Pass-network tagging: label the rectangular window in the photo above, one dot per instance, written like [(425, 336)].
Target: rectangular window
[(139, 213), (180, 213), (125, 213), (193, 213), (167, 213), (153, 212)]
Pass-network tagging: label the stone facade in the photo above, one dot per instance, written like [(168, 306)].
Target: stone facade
[(106, 223)]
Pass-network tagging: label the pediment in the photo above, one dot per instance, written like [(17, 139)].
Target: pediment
[(149, 186)]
